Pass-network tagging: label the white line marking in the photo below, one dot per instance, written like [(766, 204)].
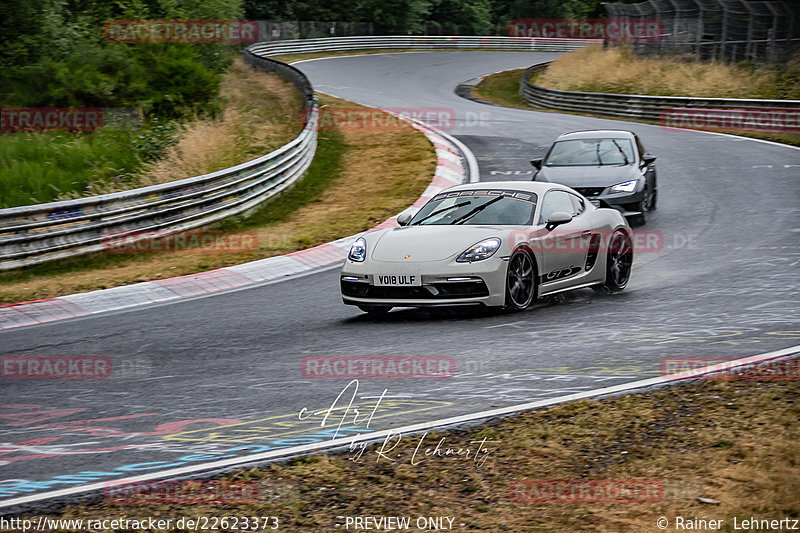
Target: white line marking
[(414, 428)]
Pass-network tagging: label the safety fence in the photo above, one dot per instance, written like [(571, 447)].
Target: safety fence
[(731, 30), (46, 232), (51, 231), (649, 108)]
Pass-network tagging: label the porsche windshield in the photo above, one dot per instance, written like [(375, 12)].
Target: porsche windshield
[(590, 152), (487, 207)]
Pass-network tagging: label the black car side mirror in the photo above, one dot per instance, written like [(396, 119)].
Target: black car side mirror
[(537, 163), (404, 219), (649, 159)]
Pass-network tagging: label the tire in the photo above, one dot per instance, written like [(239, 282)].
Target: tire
[(644, 206), (520, 281), (654, 200), (619, 261), (375, 310)]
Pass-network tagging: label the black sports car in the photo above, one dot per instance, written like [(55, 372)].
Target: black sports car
[(609, 167)]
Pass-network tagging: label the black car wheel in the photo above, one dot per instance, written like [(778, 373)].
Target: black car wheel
[(520, 281), (644, 206), (619, 262)]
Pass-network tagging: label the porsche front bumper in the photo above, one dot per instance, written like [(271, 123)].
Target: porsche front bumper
[(449, 283)]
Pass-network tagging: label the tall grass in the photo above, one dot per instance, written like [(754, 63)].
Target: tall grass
[(261, 113), (42, 167), (618, 70)]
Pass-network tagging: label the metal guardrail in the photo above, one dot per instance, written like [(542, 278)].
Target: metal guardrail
[(46, 232), (55, 230), (638, 107), (420, 42)]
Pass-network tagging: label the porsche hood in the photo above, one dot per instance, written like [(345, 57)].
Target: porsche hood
[(431, 242)]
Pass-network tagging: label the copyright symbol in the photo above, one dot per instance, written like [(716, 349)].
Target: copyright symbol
[(662, 522)]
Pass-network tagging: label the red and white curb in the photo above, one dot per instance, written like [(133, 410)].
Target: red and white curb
[(450, 170)]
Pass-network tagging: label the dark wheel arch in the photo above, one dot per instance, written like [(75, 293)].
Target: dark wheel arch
[(522, 279)]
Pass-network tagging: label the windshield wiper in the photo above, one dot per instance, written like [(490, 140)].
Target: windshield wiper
[(442, 210), (597, 151), (625, 157), (477, 210)]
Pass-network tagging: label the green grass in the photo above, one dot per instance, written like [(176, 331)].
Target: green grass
[(502, 89), (324, 169), (41, 167)]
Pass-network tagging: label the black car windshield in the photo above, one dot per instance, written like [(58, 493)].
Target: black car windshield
[(590, 152), (485, 206)]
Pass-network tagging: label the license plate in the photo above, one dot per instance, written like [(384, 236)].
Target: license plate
[(392, 280)]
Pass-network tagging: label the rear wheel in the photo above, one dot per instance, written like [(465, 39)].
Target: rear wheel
[(520, 281), (619, 262), (375, 310)]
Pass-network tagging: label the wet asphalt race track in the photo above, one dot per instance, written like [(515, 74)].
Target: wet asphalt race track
[(220, 376)]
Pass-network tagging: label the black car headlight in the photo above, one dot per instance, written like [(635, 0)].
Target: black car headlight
[(480, 251), (625, 186), (358, 250)]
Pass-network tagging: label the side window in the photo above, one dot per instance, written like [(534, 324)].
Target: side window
[(578, 205), (556, 201)]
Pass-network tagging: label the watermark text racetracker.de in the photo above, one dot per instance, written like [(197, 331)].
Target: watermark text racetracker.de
[(759, 120), (599, 241), (611, 29), (181, 31), (181, 492), (378, 367), (192, 241), (718, 368), (586, 490), (393, 118), (33, 119), (55, 367)]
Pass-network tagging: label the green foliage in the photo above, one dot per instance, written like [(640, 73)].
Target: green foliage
[(392, 17), (40, 167), (53, 53), (152, 141), (473, 17)]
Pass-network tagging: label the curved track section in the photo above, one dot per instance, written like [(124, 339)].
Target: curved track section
[(216, 377)]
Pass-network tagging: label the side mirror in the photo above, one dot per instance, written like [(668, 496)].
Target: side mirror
[(537, 163), (558, 218), (404, 219), (648, 159)]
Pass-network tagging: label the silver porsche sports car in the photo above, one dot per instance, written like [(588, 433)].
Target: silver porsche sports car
[(493, 244)]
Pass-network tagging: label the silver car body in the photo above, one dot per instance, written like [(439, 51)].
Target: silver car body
[(417, 265)]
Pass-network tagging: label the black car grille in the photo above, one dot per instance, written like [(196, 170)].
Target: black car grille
[(463, 289), (590, 191)]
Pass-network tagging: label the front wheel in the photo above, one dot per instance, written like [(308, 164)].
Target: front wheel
[(619, 262), (375, 310), (520, 281)]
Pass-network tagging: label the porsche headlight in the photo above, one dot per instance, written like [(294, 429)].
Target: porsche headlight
[(480, 251), (358, 250), (625, 186)]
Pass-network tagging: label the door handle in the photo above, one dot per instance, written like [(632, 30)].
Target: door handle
[(586, 233)]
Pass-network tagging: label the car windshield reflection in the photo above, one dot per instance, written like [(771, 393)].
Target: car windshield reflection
[(590, 152), (480, 207)]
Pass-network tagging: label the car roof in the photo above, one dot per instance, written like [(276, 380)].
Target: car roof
[(594, 134), (539, 187)]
